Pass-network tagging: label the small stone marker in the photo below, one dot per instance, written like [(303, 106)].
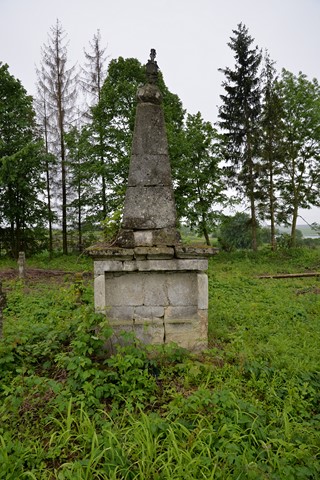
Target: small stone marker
[(148, 282), (22, 265), (3, 304)]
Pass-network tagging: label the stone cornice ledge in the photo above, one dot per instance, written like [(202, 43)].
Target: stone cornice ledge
[(108, 252)]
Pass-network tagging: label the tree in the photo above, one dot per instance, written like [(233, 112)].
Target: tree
[(21, 164), (235, 232), (57, 84), (199, 178), (239, 114), (271, 151), (94, 71), (299, 181), (41, 107), (80, 183)]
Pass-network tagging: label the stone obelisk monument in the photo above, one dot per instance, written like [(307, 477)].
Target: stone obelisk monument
[(147, 282)]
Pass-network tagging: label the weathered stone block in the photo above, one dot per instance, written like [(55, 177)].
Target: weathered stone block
[(149, 333), (102, 266), (182, 289), (146, 169), (156, 253), (180, 314), (148, 311), (203, 322), (172, 265), (143, 238), (166, 236), (202, 291), (107, 252), (125, 289), (130, 266), (147, 208), (149, 131), (99, 293), (186, 335), (155, 289), (125, 238), (120, 313)]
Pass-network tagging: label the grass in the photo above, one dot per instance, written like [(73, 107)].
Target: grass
[(248, 408)]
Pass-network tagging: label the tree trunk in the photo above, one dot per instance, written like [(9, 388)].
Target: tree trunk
[(254, 228), (251, 192), (79, 219), (103, 178), (104, 196), (294, 227), (206, 236), (272, 207), (48, 182), (63, 174)]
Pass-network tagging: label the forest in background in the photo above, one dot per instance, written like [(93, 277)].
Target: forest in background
[(64, 155)]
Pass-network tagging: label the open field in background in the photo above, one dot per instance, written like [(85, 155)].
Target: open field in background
[(248, 408)]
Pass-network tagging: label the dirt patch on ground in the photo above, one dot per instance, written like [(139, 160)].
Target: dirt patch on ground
[(38, 274), (304, 291)]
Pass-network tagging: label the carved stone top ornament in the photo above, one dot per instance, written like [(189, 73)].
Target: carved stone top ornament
[(152, 68)]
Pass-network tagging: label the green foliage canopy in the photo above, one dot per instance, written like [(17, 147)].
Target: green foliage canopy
[(21, 166)]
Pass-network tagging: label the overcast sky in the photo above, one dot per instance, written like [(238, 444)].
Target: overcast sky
[(190, 37)]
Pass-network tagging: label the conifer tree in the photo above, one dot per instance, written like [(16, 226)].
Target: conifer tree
[(238, 118), (271, 148), (43, 117), (93, 76), (80, 201), (94, 71), (57, 82)]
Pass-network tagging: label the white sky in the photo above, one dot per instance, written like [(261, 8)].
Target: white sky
[(190, 37)]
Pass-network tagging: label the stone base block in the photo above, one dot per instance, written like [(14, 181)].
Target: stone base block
[(160, 302)]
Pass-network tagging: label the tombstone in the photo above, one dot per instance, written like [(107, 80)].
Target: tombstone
[(22, 265), (147, 282), (3, 304)]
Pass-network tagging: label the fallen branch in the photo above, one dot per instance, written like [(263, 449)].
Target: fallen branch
[(291, 275)]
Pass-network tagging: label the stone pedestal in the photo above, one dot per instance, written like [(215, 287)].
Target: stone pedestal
[(158, 293)]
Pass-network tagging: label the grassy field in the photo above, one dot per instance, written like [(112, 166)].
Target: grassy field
[(247, 408)]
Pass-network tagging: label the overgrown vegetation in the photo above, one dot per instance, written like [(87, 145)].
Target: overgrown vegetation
[(247, 408)]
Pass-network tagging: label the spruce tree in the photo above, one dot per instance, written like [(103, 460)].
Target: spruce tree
[(94, 71), (57, 82), (43, 119), (238, 118), (92, 79), (271, 148)]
